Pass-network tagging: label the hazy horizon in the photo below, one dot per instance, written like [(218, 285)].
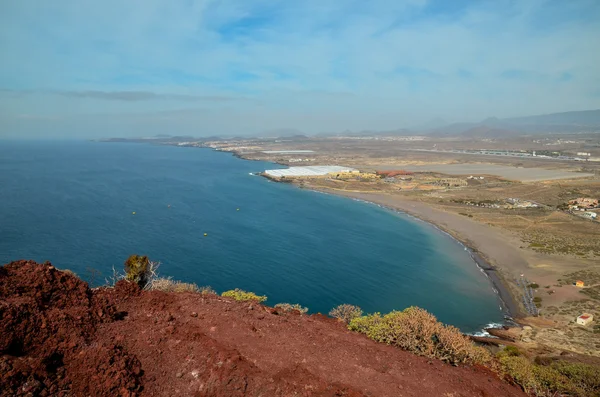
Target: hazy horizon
[(83, 69)]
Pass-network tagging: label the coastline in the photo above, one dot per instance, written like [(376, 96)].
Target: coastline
[(489, 262), (427, 213)]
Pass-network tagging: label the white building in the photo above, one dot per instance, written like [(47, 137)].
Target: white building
[(316, 170), (585, 319), (591, 215)]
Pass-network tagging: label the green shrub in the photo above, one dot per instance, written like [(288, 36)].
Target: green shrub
[(534, 286), (558, 378), (512, 351), (583, 376), (418, 331), (346, 312), (138, 269), (537, 299), (241, 295), (289, 307)]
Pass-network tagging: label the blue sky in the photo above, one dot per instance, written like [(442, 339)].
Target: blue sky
[(83, 68)]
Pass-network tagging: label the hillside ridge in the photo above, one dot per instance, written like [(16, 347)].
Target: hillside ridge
[(59, 337)]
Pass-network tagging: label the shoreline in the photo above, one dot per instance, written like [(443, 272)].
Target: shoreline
[(509, 302)]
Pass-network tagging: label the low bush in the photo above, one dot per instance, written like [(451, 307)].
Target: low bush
[(556, 378), (512, 351), (289, 307), (418, 331), (241, 295), (169, 285), (584, 377), (206, 290), (140, 270), (346, 312)]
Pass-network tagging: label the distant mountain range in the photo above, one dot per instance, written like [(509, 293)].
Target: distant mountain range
[(493, 127), (565, 122), (570, 122)]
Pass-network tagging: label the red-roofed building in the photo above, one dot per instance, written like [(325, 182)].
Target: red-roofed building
[(585, 319)]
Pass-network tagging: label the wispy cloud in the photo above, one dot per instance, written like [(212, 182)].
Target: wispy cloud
[(313, 65), (143, 96)]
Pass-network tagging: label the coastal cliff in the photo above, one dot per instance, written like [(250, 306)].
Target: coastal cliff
[(59, 337)]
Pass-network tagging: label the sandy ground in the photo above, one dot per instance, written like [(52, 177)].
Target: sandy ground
[(507, 172)]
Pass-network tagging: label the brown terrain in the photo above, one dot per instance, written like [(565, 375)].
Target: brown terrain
[(59, 337)]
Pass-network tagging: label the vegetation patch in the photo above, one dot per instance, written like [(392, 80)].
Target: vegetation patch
[(592, 292), (140, 270), (589, 277), (419, 332), (550, 378), (346, 312), (169, 285), (286, 307), (241, 295)]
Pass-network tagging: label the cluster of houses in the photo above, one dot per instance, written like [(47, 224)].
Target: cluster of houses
[(510, 203), (584, 205), (299, 160), (518, 203)]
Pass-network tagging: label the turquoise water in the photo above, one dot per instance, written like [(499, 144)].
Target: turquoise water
[(71, 203)]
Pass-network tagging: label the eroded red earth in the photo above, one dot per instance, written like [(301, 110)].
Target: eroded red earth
[(58, 337)]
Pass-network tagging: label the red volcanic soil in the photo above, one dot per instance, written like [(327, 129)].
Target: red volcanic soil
[(58, 337)]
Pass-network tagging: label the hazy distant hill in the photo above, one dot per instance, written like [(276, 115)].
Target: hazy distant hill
[(584, 117), (281, 133), (579, 121)]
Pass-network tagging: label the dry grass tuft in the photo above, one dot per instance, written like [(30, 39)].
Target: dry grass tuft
[(346, 312), (289, 307), (169, 285)]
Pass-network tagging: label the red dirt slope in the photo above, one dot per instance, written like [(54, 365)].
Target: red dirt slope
[(58, 337)]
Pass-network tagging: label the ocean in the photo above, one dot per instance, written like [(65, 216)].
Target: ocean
[(87, 206)]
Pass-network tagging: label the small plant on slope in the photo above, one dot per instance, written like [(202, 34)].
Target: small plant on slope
[(241, 295), (289, 307), (140, 270), (166, 284), (346, 312)]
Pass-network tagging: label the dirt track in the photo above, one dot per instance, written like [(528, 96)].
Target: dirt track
[(57, 337)]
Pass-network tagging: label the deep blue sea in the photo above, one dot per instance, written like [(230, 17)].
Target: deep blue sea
[(72, 203)]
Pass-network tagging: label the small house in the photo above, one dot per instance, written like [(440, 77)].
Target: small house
[(585, 319), (579, 284)]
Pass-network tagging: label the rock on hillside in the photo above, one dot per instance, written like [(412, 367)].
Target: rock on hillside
[(58, 337)]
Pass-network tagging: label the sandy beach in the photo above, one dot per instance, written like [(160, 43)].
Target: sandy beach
[(495, 252)]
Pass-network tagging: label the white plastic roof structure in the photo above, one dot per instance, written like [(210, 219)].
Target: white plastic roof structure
[(314, 170)]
